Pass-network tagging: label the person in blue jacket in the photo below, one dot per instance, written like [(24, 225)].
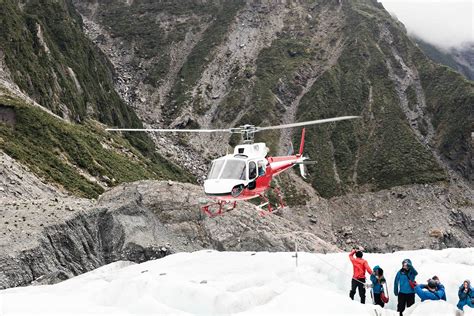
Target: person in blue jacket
[(404, 286), (430, 291), (378, 281), (466, 295), (436, 279)]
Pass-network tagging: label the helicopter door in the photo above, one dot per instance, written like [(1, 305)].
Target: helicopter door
[(252, 175)]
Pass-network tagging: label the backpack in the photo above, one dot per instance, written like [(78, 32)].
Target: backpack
[(412, 283), (384, 298)]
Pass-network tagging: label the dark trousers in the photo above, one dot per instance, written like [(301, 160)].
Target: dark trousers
[(405, 300), (358, 285), (378, 300)]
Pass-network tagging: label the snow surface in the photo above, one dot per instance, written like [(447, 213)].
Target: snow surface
[(243, 283)]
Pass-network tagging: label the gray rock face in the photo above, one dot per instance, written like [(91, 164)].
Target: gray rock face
[(70, 248), (19, 184), (404, 218), (172, 213), (47, 240), (136, 222)]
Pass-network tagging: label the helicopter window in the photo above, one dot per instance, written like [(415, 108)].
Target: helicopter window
[(252, 170), (234, 169), (216, 168)]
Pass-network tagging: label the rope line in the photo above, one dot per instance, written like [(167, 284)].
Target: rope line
[(296, 237)]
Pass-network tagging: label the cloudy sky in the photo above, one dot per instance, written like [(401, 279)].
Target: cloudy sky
[(445, 23)]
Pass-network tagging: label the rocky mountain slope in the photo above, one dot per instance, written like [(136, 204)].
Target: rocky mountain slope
[(56, 92), (225, 63), (214, 64)]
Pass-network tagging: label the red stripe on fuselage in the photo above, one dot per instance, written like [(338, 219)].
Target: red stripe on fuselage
[(280, 164)]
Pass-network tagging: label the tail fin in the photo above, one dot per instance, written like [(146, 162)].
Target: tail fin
[(302, 142)]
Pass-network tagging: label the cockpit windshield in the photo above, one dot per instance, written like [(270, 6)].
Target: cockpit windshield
[(216, 168), (233, 169)]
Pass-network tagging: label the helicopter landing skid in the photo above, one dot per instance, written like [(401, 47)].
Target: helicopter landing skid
[(266, 202), (208, 209)]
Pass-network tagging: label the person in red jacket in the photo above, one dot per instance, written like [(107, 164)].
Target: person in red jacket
[(358, 279)]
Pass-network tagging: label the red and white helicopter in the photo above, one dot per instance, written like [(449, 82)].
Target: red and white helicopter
[(247, 172)]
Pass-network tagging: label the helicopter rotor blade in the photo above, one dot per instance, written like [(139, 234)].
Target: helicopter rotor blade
[(168, 130), (244, 129), (334, 119)]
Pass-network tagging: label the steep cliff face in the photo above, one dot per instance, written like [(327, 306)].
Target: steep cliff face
[(205, 63), (57, 89), (136, 222), (51, 60)]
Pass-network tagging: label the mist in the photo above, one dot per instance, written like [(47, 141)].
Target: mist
[(444, 23)]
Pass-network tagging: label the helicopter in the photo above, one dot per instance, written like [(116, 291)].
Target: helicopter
[(247, 172)]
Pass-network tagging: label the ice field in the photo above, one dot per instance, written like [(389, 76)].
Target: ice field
[(242, 283)]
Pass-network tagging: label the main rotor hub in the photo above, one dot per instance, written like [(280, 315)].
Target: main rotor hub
[(248, 132)]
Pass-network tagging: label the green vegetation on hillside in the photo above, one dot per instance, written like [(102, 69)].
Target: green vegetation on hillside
[(268, 99), (377, 151), (450, 100), (154, 26), (46, 67), (62, 70), (200, 56), (59, 152), (52, 61)]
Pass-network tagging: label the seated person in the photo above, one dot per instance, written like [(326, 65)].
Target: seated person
[(436, 279), (466, 295), (431, 291)]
